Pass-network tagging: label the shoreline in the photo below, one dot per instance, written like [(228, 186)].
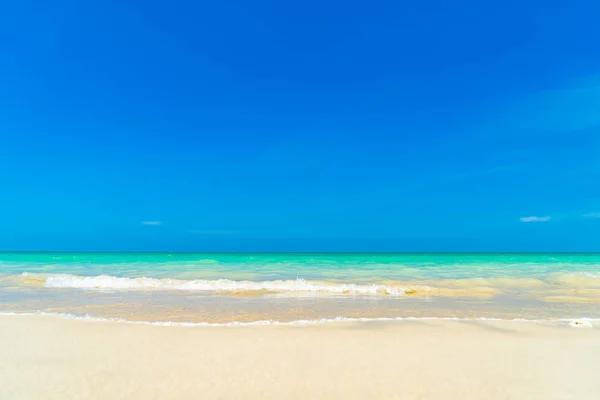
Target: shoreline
[(587, 322), (59, 358)]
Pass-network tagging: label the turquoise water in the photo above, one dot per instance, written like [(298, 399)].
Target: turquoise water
[(246, 287), (263, 266)]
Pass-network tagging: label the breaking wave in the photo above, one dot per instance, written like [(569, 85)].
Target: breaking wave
[(107, 282)]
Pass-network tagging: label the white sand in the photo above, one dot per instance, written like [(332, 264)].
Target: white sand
[(47, 358)]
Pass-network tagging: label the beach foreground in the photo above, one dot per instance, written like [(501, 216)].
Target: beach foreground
[(47, 357)]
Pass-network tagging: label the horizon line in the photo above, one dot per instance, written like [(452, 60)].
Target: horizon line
[(294, 252)]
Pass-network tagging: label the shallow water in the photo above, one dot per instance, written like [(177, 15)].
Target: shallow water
[(212, 287)]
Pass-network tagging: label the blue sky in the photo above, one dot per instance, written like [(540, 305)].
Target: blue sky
[(311, 126)]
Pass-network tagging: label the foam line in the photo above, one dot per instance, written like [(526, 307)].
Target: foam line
[(573, 322)]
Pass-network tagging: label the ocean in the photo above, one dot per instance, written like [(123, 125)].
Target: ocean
[(241, 288)]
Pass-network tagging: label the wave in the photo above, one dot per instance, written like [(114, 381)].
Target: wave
[(586, 283), (583, 322), (220, 285)]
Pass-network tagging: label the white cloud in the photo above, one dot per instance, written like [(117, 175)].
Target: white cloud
[(155, 223), (592, 215), (534, 218)]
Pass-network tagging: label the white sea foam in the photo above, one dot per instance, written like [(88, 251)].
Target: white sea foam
[(219, 285), (573, 322), (581, 323)]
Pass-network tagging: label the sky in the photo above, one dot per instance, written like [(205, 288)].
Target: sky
[(300, 126)]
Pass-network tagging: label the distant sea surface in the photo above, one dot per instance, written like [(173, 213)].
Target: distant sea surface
[(226, 288)]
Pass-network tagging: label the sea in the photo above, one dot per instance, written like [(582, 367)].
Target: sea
[(288, 288)]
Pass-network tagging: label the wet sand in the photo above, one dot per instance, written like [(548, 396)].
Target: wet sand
[(45, 357)]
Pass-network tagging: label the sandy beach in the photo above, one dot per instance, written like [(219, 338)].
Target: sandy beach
[(46, 357)]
